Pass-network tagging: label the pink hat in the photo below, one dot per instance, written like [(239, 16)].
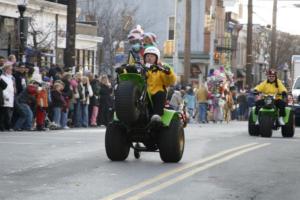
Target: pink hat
[(73, 83)]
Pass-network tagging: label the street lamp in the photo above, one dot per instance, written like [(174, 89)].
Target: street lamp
[(22, 8)]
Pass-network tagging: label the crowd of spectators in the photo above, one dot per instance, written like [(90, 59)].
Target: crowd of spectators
[(41, 98), (204, 106)]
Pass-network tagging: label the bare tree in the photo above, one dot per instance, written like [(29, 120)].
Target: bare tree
[(114, 23), (287, 45), (42, 37), (261, 43)]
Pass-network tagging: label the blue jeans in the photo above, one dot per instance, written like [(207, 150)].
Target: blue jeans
[(64, 119), (77, 114), (81, 115), (57, 115), (85, 115), (191, 112), (202, 112), (242, 111), (25, 119)]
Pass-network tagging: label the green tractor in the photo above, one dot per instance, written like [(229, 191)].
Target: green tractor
[(131, 126), (268, 120)]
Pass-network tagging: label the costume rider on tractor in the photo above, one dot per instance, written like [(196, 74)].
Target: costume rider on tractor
[(272, 86), (159, 77)]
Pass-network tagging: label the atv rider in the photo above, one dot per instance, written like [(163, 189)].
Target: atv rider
[(159, 77), (272, 86), (135, 38)]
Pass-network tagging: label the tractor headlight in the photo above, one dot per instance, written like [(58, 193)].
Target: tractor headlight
[(268, 100)]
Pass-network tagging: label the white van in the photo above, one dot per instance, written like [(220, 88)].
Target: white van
[(296, 89)]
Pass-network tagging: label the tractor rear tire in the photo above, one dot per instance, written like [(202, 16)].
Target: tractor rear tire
[(126, 102)]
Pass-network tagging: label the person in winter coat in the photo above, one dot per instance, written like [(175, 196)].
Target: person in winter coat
[(78, 96), (8, 97), (242, 102), (176, 99), (106, 101), (94, 104), (42, 106), (20, 78), (24, 101), (202, 100), (58, 101), (68, 95), (3, 85), (190, 100), (85, 101), (159, 77)]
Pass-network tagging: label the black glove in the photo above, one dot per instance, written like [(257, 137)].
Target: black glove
[(284, 95), (167, 70), (164, 69), (255, 92), (120, 70)]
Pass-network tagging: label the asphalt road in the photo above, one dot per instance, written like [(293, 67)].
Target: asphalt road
[(220, 162)]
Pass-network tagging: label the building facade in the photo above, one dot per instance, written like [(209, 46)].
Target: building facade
[(167, 20), (45, 33)]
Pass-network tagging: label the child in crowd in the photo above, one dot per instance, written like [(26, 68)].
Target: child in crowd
[(58, 101), (42, 106)]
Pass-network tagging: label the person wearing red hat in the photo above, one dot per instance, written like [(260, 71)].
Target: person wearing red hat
[(272, 86)]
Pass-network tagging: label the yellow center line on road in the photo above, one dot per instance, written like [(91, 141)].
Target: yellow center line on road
[(193, 172), (175, 171)]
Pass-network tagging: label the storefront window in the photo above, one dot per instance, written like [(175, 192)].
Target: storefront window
[(8, 36)]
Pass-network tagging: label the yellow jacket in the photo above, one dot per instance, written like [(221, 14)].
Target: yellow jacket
[(270, 88), (158, 80), (202, 95)]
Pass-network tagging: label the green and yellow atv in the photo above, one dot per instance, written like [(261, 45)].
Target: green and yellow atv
[(132, 128), (268, 120)]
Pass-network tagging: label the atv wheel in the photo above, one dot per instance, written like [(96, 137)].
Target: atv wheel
[(288, 129), (171, 142), (265, 125), (252, 128), (126, 102), (116, 144)]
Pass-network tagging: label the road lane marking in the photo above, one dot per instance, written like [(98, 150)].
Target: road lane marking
[(193, 172), (21, 143), (174, 171)]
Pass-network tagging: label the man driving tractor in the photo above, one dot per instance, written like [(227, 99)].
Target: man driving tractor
[(159, 77), (272, 86)]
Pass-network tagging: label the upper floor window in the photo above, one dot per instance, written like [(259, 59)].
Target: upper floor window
[(171, 28)]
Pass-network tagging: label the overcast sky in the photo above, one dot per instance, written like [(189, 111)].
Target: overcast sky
[(288, 16)]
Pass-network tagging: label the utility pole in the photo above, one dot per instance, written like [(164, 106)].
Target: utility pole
[(187, 41), (273, 40), (56, 38), (175, 44), (212, 34), (69, 55), (249, 58)]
